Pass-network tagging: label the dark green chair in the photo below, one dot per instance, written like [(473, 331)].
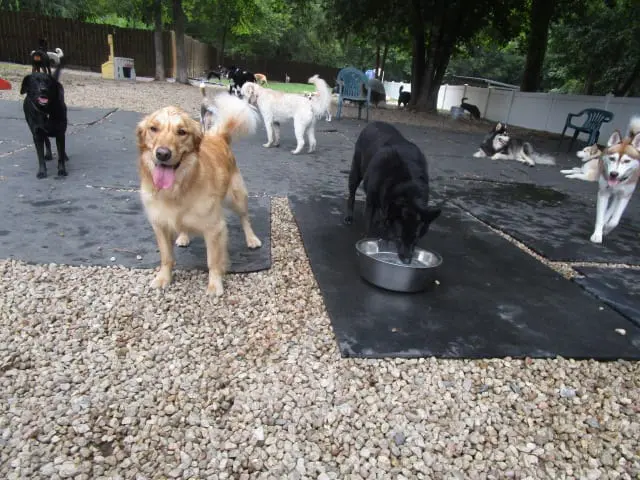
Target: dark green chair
[(595, 117)]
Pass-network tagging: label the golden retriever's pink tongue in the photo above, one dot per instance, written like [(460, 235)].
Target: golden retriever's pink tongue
[(163, 177)]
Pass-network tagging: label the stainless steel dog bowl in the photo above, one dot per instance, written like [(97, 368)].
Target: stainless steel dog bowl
[(380, 265)]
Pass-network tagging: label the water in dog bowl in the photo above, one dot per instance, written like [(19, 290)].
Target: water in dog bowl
[(393, 259)]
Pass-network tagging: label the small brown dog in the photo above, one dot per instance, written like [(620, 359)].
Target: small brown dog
[(186, 175), (261, 79)]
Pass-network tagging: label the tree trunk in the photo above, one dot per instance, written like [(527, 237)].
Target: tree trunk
[(222, 45), (446, 25), (418, 47), (623, 89), (377, 61), (181, 54), (541, 14), (425, 99), (384, 59), (157, 39), (590, 82)]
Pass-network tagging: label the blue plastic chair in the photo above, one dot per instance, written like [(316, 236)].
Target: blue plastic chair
[(353, 86), (594, 120)]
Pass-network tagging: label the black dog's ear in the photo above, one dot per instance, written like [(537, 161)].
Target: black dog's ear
[(431, 213), (25, 84)]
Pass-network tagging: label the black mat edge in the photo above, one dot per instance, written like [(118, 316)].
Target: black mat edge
[(177, 267), (595, 288), (344, 355)]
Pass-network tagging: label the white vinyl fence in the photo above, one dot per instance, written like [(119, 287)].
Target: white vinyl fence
[(536, 111)]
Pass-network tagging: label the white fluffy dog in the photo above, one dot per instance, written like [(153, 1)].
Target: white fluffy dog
[(277, 107)]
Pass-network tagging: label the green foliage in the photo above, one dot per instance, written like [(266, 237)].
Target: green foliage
[(504, 64), (61, 8), (595, 49)]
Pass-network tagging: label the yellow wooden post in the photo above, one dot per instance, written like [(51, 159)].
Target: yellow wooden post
[(108, 71), (174, 55)]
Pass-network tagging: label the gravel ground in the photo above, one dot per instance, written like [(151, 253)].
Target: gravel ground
[(102, 377), (180, 385)]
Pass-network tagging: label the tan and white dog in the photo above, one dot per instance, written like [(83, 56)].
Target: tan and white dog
[(261, 79), (619, 170), (589, 171)]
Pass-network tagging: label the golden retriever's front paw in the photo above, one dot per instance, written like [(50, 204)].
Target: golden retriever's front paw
[(161, 281), (183, 240), (215, 286), (253, 242)]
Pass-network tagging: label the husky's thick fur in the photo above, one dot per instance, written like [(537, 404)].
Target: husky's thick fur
[(499, 145), (618, 173)]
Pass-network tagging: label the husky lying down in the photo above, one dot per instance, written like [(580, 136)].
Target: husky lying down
[(499, 145), (589, 170)]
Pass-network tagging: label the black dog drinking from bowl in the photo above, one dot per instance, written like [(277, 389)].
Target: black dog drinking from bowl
[(393, 172)]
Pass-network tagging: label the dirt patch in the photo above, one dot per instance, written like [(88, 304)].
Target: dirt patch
[(89, 89)]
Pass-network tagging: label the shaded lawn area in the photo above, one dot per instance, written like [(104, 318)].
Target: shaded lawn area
[(279, 86)]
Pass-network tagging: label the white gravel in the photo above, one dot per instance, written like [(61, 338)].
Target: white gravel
[(103, 378)]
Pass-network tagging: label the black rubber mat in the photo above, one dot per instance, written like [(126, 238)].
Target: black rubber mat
[(493, 300), (617, 287), (555, 224), (88, 226)]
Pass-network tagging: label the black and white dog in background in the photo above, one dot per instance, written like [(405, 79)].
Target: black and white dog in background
[(499, 145), (239, 77)]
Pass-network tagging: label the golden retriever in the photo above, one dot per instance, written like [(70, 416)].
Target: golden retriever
[(186, 175)]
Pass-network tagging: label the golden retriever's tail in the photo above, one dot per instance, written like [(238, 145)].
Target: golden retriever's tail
[(320, 103), (234, 117)]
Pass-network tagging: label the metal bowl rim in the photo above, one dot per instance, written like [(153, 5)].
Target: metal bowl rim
[(376, 240)]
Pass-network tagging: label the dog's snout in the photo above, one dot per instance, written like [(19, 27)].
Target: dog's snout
[(163, 154), (613, 174), (405, 253)]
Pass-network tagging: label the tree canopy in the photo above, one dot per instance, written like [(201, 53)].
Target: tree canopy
[(573, 46)]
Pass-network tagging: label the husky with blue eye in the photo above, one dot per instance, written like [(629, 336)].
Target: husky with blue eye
[(619, 170)]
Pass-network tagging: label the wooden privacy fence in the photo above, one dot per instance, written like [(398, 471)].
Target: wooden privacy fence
[(85, 47), (84, 44)]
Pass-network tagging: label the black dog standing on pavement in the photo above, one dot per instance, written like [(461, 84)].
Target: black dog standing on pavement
[(471, 108), (46, 114), (394, 175), (404, 97)]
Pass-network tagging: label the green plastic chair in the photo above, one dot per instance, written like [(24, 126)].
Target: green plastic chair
[(353, 85), (595, 117)]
